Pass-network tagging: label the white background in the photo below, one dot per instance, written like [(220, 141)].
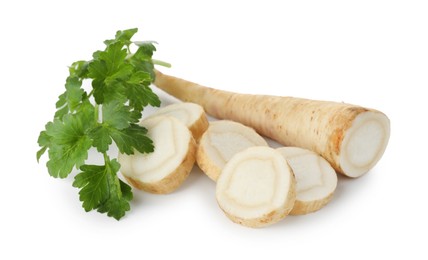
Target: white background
[(372, 53)]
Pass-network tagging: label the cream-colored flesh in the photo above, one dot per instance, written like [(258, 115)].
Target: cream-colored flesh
[(172, 141), (221, 141), (190, 114), (364, 143), (316, 180), (256, 187)]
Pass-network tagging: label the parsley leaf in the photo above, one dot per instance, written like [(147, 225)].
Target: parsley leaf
[(133, 137), (123, 36), (69, 143), (101, 139), (105, 116), (116, 115), (101, 189), (71, 98), (138, 93)]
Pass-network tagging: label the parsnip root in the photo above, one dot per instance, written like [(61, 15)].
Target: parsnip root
[(351, 138), (316, 180), (165, 169), (256, 187), (220, 142), (190, 114)]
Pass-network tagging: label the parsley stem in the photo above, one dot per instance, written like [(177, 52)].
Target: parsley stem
[(161, 63), (90, 93), (106, 158), (97, 113)]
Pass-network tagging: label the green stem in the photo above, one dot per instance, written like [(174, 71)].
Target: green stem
[(97, 113), (90, 93), (161, 63), (106, 158)]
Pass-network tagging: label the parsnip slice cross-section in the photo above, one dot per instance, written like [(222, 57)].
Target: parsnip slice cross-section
[(316, 180), (221, 141), (165, 169), (256, 187), (190, 114)]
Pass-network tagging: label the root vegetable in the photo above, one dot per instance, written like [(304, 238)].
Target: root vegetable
[(316, 180), (221, 141), (191, 114), (165, 169), (351, 138), (256, 187)]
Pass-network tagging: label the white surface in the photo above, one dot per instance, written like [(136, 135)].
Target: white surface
[(371, 52)]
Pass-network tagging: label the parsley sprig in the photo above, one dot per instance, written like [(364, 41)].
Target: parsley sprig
[(108, 114)]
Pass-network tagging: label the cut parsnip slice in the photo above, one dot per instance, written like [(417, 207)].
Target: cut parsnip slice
[(316, 180), (166, 168), (221, 141), (190, 114), (256, 187)]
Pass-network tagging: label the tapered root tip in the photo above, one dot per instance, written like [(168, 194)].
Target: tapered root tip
[(364, 143)]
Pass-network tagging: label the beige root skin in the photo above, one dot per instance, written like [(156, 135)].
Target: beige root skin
[(303, 207), (199, 127), (320, 126)]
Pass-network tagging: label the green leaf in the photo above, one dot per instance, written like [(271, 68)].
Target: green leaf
[(44, 142), (107, 72), (61, 112), (123, 37), (118, 202), (139, 93), (97, 70), (63, 158), (122, 72), (114, 56), (44, 139), (69, 143), (86, 114), (41, 152), (74, 92), (101, 189), (135, 116), (79, 69), (116, 115), (142, 58), (99, 86), (116, 120), (145, 51), (133, 137), (71, 98), (126, 191), (101, 138), (62, 100), (110, 93), (94, 185)]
